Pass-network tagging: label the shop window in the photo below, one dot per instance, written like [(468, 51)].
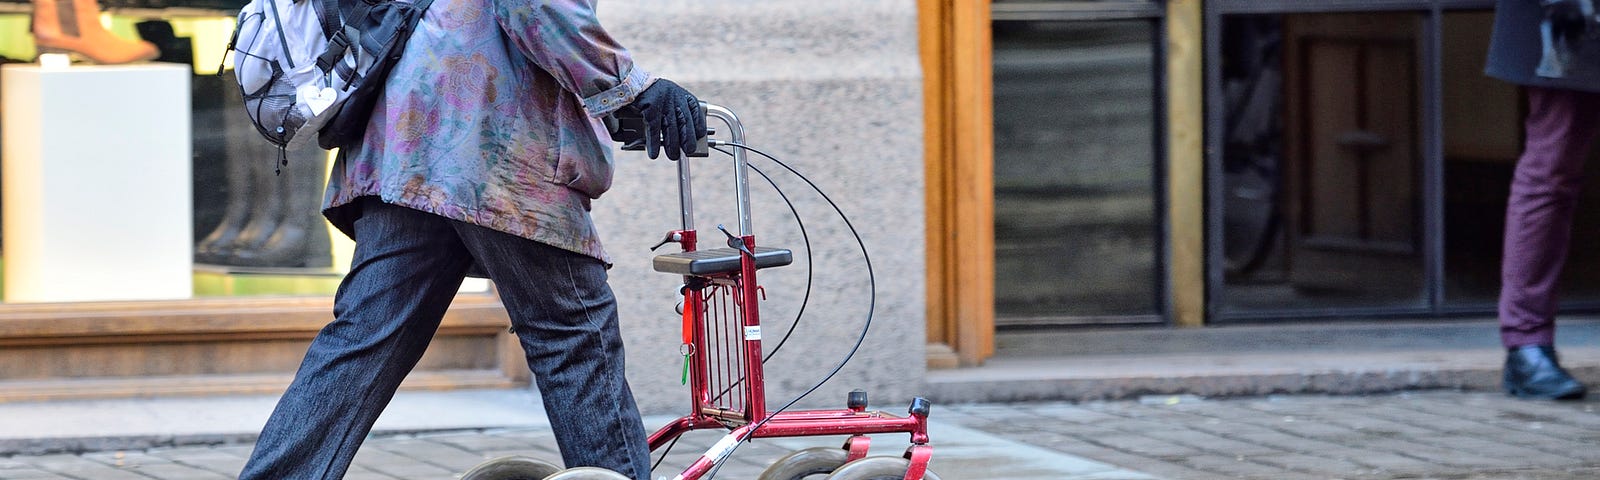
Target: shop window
[(255, 232), (1076, 225)]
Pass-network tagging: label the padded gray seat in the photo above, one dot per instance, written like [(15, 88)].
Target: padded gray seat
[(718, 260)]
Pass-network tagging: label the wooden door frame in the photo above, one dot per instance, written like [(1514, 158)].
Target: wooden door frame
[(958, 92), (957, 51), (1185, 163)]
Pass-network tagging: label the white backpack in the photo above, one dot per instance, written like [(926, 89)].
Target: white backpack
[(317, 66)]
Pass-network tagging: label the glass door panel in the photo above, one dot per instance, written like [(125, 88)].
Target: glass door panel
[(1483, 137), (1322, 161)]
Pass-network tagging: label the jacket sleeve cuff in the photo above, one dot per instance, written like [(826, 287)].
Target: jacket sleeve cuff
[(605, 102)]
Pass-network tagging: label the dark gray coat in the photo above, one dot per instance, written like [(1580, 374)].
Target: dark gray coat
[(1517, 50)]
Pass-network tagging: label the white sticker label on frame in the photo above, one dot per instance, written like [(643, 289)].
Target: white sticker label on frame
[(752, 332)]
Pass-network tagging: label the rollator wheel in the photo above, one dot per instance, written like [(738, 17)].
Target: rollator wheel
[(805, 463), (877, 468), (512, 468), (587, 473)]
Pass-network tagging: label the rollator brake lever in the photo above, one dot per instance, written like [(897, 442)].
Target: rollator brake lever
[(735, 242), (671, 237)]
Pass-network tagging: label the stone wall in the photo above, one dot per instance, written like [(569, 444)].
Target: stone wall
[(834, 88)]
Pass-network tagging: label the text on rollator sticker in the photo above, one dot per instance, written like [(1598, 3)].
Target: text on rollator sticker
[(752, 332)]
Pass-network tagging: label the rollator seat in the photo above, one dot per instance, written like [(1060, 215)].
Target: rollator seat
[(718, 260)]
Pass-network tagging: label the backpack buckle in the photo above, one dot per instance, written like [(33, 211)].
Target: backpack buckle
[(338, 44)]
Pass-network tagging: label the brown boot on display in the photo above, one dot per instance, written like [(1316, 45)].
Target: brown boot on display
[(74, 26)]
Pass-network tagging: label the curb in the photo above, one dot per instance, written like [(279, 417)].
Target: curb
[(1322, 382)]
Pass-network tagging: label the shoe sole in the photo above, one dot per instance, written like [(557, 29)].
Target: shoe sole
[(1572, 395)]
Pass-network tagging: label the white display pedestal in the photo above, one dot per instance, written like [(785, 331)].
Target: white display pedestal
[(95, 183)]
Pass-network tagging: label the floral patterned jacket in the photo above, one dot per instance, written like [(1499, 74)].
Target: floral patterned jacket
[(491, 118)]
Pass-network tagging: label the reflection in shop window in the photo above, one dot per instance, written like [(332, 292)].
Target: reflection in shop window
[(1322, 161), (1074, 169)]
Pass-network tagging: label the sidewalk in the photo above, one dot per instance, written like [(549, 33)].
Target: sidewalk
[(1454, 435), (1222, 403), (193, 439)]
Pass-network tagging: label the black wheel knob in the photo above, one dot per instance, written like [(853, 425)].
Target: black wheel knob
[(920, 406), (858, 400)]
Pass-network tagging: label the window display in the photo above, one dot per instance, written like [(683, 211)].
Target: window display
[(271, 219), (255, 232), (62, 26)]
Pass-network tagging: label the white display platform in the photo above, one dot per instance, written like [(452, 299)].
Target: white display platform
[(95, 183)]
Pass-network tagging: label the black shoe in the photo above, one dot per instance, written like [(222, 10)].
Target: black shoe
[(1532, 371)]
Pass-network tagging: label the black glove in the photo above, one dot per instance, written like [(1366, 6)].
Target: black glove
[(672, 117)]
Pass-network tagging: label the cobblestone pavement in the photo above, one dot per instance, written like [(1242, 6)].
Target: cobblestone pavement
[(1431, 435), (1441, 435)]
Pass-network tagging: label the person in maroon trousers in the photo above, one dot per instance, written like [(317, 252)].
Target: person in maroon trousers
[(1551, 48)]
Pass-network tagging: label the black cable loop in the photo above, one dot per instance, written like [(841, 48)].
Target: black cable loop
[(872, 288), (810, 271)]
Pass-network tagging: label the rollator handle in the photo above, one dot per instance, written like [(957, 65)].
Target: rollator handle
[(626, 126)]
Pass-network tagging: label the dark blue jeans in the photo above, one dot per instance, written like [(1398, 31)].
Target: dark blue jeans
[(408, 265)]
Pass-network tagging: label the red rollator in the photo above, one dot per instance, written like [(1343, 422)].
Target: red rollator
[(722, 345)]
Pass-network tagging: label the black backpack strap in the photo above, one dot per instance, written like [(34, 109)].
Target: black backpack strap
[(343, 36), (347, 35), (332, 16)]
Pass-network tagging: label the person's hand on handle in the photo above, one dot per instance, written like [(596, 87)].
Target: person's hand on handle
[(673, 119)]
